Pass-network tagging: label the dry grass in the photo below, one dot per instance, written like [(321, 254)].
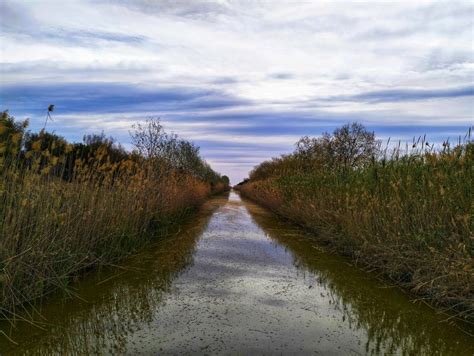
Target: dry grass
[(52, 229), (409, 217)]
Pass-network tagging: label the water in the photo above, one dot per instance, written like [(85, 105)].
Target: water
[(236, 280)]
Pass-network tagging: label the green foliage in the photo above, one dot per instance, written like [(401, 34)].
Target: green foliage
[(225, 180)]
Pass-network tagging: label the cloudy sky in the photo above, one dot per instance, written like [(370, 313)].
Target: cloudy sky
[(242, 79)]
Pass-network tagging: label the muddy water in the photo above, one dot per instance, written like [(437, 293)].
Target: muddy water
[(236, 280)]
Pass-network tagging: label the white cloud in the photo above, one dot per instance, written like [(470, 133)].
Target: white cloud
[(281, 56)]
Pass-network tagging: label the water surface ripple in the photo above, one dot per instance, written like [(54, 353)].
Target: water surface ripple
[(236, 280)]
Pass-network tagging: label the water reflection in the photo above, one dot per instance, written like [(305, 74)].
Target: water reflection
[(237, 280), (111, 305), (391, 323)]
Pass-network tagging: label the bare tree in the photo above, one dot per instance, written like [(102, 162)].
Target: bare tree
[(169, 151), (353, 145), (350, 146), (149, 138)]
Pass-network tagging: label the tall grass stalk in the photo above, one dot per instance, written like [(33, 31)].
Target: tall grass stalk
[(53, 229), (408, 215)]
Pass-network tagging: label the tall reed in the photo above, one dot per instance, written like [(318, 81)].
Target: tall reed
[(408, 215), (62, 214)]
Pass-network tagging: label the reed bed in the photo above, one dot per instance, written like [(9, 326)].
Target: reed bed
[(407, 215), (62, 214)]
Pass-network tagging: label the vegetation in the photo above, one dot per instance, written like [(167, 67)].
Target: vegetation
[(66, 208), (407, 213)]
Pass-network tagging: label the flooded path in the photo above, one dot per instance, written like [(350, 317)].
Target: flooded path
[(236, 280)]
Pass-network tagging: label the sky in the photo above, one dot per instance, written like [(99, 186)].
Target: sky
[(244, 80)]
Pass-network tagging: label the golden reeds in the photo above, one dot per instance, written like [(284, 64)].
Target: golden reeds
[(409, 216), (60, 217)]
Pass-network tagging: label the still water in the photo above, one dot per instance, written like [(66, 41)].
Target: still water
[(236, 280)]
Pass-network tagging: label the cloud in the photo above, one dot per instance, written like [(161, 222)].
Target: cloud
[(281, 75), (111, 98), (91, 38), (394, 95), (19, 21), (15, 17), (244, 79), (190, 9)]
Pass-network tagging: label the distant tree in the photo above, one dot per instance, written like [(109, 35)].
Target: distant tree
[(350, 146), (167, 151), (149, 138), (94, 142), (312, 152), (246, 180), (225, 180), (353, 145), (183, 155)]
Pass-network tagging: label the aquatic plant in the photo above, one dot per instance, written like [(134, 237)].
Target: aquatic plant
[(66, 208), (405, 212)]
